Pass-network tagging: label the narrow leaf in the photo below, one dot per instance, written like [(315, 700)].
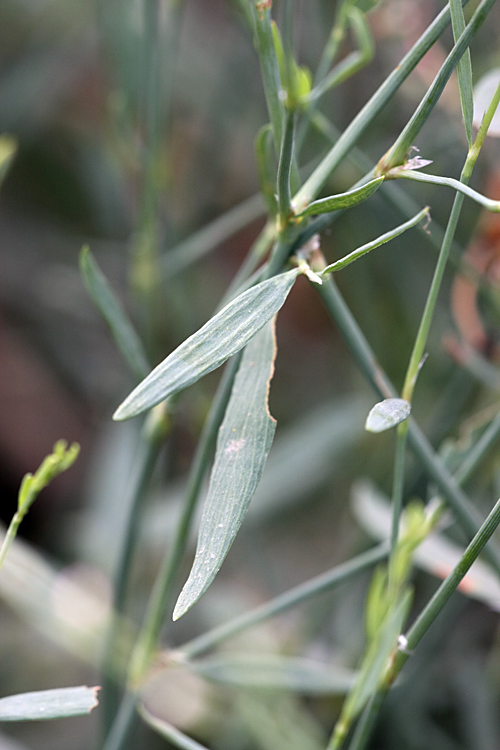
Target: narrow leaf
[(387, 414), (277, 673), (48, 704), (464, 68), (244, 440), (342, 200), (224, 335), (123, 332), (364, 249)]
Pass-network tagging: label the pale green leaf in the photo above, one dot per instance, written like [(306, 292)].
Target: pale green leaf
[(103, 297), (464, 68), (224, 335), (387, 414), (276, 672), (48, 704), (244, 440), (343, 200)]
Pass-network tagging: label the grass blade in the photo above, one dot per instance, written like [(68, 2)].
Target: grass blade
[(48, 704), (244, 441), (124, 334), (224, 335)]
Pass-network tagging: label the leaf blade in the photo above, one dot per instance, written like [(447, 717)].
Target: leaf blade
[(224, 335), (244, 441), (343, 200), (48, 704), (114, 316)]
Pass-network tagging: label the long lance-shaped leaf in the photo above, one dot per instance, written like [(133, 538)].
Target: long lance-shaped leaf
[(343, 200), (464, 69), (244, 440), (224, 335), (48, 704), (105, 300)]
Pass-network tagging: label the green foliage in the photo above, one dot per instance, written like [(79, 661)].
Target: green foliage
[(274, 512)]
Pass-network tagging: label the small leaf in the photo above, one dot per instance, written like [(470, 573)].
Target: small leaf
[(244, 440), (342, 200), (484, 91), (123, 332), (276, 672), (224, 335), (387, 414), (48, 704)]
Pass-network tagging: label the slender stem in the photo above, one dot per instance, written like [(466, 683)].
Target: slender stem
[(478, 451), (146, 464), (430, 305), (10, 535), (119, 736), (363, 119), (397, 154), (465, 513), (366, 723), (460, 186), (209, 237), (171, 733), (397, 486), (283, 602), (446, 589)]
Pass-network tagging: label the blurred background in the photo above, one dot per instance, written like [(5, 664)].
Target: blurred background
[(135, 122)]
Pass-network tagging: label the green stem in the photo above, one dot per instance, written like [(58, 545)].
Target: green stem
[(458, 185), (10, 535), (478, 451), (430, 305), (397, 488), (119, 736), (283, 602), (447, 588), (465, 513), (363, 119), (366, 723), (398, 153), (146, 463), (199, 244)]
